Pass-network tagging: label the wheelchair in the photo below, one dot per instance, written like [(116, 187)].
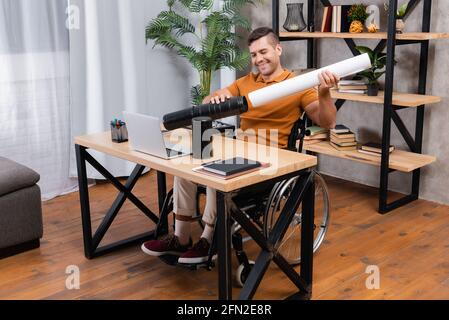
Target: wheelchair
[(263, 205)]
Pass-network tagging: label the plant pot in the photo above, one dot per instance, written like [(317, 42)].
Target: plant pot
[(356, 27), (373, 90), (400, 25)]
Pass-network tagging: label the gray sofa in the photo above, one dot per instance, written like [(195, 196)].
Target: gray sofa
[(20, 209)]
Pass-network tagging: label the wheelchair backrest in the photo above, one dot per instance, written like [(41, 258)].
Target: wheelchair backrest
[(298, 133)]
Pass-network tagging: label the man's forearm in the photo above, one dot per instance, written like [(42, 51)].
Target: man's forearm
[(327, 109)]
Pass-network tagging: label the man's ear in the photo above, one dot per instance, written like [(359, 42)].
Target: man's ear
[(279, 49)]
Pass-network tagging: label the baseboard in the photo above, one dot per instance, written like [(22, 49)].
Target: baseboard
[(20, 248)]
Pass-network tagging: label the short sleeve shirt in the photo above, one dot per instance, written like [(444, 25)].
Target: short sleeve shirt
[(279, 115)]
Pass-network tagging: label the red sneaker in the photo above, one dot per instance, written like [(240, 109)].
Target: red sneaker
[(168, 246), (197, 254)]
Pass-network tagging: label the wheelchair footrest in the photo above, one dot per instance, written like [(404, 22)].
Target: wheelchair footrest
[(172, 260)]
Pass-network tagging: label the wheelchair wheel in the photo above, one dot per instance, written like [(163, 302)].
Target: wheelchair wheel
[(290, 245), (242, 273)]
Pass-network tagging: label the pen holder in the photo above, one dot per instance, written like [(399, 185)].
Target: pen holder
[(119, 135)]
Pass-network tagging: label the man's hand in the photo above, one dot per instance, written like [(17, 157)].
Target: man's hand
[(218, 97), (328, 80)]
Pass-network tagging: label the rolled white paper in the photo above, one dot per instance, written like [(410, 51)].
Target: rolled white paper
[(309, 80)]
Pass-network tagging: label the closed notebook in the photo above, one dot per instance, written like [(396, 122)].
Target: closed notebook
[(231, 166), (340, 128), (375, 147)]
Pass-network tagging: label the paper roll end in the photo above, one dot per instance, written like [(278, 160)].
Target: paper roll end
[(367, 60)]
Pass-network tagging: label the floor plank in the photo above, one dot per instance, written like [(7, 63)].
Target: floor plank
[(410, 246)]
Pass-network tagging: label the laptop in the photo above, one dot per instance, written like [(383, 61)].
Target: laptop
[(145, 135)]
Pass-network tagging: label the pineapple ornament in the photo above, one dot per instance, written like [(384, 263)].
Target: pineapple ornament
[(356, 27), (357, 15)]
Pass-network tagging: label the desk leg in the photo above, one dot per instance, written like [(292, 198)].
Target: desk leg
[(162, 188), (307, 230), (162, 226), (224, 247), (84, 199), (92, 242)]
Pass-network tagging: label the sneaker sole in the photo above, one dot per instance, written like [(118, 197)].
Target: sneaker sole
[(159, 254), (195, 260)]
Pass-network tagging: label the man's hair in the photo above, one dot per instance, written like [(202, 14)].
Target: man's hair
[(262, 32)]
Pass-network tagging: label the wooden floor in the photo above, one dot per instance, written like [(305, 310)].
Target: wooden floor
[(410, 246)]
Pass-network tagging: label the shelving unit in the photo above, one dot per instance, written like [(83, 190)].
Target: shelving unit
[(400, 99), (400, 160), (419, 36)]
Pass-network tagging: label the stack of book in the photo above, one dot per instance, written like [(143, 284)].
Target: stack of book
[(335, 19), (343, 139), (352, 86), (374, 149), (317, 134)]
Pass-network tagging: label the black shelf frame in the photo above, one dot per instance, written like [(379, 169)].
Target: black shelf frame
[(390, 113)]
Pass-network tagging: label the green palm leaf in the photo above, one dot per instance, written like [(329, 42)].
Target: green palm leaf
[(217, 48)]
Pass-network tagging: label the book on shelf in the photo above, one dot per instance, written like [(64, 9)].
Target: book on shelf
[(375, 147), (347, 148), (340, 128), (352, 91), (345, 135), (335, 19), (338, 22), (315, 130), (321, 136), (323, 21), (327, 19), (369, 153), (352, 87), (349, 82), (344, 21), (345, 144), (342, 140)]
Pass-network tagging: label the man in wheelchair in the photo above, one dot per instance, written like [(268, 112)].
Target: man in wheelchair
[(281, 116)]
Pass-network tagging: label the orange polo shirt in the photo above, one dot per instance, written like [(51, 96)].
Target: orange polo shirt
[(278, 115)]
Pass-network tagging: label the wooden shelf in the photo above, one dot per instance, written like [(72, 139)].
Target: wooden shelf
[(399, 160), (399, 99), (419, 36)]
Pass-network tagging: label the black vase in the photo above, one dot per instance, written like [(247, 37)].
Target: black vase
[(295, 19), (373, 90)]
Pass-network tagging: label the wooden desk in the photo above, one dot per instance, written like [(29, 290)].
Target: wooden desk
[(284, 165)]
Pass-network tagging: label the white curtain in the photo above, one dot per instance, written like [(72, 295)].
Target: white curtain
[(34, 90), (108, 70)]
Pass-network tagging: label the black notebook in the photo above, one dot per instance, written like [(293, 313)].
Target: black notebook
[(231, 166)]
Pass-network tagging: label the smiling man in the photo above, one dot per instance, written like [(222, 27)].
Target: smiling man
[(279, 116), (282, 114)]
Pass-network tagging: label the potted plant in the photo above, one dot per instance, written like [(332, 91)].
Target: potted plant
[(378, 62), (357, 16), (400, 14), (214, 44)]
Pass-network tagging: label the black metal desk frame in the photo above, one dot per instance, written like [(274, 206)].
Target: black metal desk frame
[(303, 191)]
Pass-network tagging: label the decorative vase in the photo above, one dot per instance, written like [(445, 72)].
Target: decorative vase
[(373, 90), (295, 19), (372, 28), (400, 25), (356, 27)]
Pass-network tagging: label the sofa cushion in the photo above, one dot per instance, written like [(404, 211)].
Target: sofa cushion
[(14, 176)]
